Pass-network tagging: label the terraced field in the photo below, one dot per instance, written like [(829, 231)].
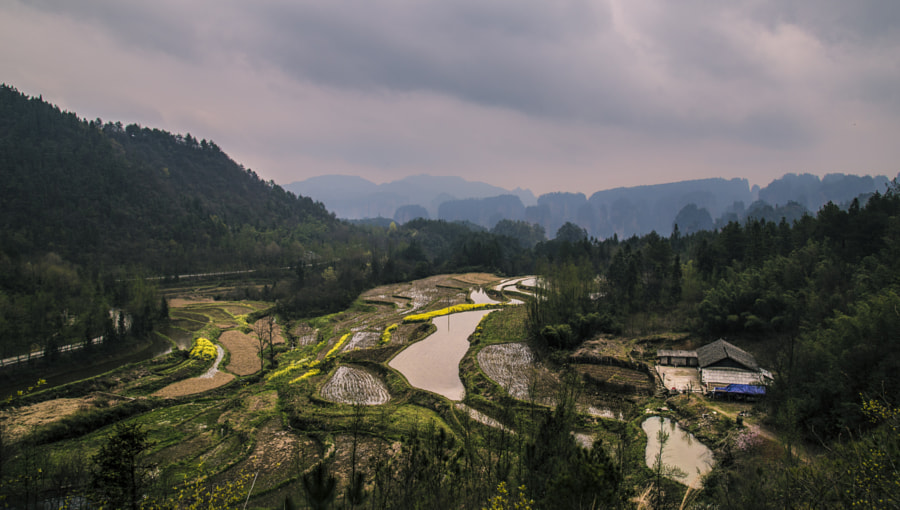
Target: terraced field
[(510, 366), (276, 420), (351, 385)]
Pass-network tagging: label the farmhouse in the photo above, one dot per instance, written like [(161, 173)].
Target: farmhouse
[(719, 364)]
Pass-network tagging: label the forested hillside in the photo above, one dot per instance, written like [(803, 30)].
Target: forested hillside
[(88, 209), (113, 196)]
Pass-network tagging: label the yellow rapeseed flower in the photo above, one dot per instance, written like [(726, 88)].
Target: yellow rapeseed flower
[(465, 307)]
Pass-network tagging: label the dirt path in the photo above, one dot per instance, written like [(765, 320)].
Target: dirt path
[(213, 370), (211, 380), (762, 430)]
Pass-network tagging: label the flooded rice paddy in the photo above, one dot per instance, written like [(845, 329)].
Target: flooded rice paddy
[(433, 363)]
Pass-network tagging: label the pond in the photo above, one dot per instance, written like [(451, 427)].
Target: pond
[(433, 364), (682, 450)]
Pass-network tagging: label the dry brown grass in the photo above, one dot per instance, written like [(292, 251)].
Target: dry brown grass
[(274, 453), (616, 375), (183, 302), (194, 385), (475, 278), (27, 418), (244, 352)]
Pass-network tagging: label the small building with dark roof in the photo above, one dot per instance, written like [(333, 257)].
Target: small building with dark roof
[(676, 358), (719, 363)]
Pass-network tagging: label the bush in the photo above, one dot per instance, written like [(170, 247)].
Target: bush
[(204, 350)]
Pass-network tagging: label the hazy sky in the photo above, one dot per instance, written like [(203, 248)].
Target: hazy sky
[(551, 95)]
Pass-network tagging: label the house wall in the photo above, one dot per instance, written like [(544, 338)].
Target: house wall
[(677, 361)]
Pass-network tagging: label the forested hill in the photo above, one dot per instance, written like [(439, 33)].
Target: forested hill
[(108, 195)]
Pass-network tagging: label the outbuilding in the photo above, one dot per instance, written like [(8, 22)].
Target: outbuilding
[(676, 358)]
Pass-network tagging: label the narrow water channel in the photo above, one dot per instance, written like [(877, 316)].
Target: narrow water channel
[(433, 363), (682, 451)]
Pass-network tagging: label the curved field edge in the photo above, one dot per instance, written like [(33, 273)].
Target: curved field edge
[(228, 418)]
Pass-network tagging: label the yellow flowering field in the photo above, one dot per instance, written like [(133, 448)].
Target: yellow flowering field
[(465, 307)]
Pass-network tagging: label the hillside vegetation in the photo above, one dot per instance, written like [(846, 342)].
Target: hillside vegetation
[(299, 401)]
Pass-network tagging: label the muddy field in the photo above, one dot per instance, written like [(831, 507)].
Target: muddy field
[(351, 385), (511, 366), (628, 380), (244, 352), (195, 385)]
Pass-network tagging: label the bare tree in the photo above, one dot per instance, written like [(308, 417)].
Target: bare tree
[(265, 335)]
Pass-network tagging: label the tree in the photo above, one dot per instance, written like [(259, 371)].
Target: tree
[(571, 233), (265, 335), (121, 474), (163, 308), (661, 469), (559, 472), (319, 486)]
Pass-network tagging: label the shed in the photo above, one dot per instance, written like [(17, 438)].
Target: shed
[(676, 358)]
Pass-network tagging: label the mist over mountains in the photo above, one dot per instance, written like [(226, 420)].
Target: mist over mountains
[(693, 205)]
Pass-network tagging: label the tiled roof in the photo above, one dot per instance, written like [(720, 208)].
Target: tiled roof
[(677, 354), (719, 350)]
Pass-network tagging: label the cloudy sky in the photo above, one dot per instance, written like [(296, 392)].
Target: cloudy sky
[(551, 95)]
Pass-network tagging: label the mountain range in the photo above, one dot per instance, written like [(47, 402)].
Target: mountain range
[(694, 205)]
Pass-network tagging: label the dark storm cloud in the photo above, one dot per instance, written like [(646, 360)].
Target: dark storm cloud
[(568, 85), (519, 55), (144, 25), (558, 60)]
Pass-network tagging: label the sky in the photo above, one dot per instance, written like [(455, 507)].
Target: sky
[(549, 95)]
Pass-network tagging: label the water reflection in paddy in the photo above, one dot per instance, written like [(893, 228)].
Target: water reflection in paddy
[(682, 450), (480, 297), (433, 363)]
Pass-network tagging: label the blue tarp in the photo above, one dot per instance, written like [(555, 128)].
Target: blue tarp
[(742, 389)]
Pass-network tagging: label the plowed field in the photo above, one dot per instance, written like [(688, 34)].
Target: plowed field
[(243, 348), (194, 385)]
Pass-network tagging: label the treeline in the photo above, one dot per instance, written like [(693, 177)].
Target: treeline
[(794, 286), (48, 303), (87, 203), (819, 296)]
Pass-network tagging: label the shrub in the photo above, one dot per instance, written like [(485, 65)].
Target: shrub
[(388, 331), (204, 350), (340, 343)]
